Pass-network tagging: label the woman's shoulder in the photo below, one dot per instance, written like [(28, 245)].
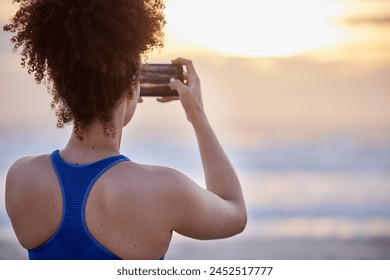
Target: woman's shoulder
[(26, 168), (153, 172), (154, 178), (30, 161)]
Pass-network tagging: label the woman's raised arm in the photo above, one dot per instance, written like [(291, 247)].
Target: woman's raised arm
[(220, 209)]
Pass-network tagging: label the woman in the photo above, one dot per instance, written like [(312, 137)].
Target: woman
[(86, 201)]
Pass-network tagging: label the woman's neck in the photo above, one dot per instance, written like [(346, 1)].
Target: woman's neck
[(96, 144), (95, 137)]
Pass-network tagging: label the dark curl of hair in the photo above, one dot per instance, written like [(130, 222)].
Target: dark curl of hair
[(88, 52)]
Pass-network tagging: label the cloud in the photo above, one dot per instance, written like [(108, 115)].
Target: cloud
[(248, 100), (369, 20)]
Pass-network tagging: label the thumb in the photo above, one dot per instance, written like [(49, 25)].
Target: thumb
[(177, 85)]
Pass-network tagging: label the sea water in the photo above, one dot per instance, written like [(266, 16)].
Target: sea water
[(335, 187)]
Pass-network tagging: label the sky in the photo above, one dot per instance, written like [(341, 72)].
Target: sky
[(333, 29), (289, 86), (287, 69)]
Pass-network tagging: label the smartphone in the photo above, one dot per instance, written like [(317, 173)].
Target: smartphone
[(154, 79)]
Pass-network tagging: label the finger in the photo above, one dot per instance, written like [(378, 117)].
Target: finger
[(185, 76), (177, 85), (187, 63), (167, 99)]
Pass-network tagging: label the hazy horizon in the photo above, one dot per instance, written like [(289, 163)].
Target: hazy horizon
[(298, 92)]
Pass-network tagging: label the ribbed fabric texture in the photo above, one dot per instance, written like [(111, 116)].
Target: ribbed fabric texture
[(72, 239)]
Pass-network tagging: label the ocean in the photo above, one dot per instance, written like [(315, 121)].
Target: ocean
[(331, 188)]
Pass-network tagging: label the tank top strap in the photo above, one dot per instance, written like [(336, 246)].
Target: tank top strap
[(76, 182)]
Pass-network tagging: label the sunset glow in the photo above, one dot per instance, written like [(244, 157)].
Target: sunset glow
[(298, 93), (256, 27)]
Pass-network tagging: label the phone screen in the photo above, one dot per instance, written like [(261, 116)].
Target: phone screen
[(154, 79)]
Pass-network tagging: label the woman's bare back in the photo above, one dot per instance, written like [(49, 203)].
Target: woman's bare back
[(125, 210)]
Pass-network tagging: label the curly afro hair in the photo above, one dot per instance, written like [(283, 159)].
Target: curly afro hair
[(88, 52)]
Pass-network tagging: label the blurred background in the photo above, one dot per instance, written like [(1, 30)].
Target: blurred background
[(298, 93)]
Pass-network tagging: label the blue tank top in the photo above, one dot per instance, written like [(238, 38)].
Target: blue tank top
[(72, 240)]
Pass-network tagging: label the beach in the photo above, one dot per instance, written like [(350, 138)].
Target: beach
[(259, 249), (298, 209), (271, 239), (284, 249), (297, 97)]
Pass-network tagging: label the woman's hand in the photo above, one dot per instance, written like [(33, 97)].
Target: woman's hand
[(220, 211), (190, 94)]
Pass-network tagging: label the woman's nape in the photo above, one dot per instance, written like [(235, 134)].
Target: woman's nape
[(96, 143)]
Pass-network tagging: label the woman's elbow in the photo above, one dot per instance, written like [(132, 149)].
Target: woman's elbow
[(240, 222)]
